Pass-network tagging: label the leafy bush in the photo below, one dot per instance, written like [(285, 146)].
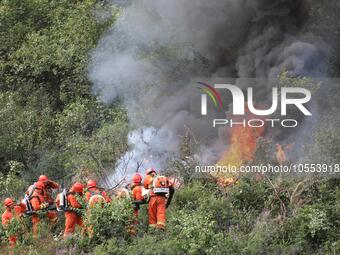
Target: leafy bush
[(110, 221), (11, 184), (309, 226), (249, 194), (195, 223)]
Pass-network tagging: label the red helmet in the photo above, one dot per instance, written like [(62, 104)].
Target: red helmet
[(137, 178), (150, 170), (8, 202), (39, 185), (43, 178), (91, 184), (78, 187)]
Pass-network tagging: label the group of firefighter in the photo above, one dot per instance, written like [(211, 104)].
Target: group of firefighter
[(156, 191)]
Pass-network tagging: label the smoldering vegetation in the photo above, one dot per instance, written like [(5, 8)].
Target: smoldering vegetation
[(149, 58)]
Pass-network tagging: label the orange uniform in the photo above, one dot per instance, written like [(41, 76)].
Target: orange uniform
[(137, 196), (20, 209), (8, 215), (138, 199), (6, 218), (72, 218), (156, 210), (157, 204), (148, 181), (137, 192), (38, 203), (12, 210), (49, 186), (52, 215), (137, 189)]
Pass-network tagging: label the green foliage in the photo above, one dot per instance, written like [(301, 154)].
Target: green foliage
[(45, 96), (189, 226), (203, 220), (16, 226), (10, 183), (110, 247), (48, 50), (326, 148), (310, 231), (249, 194), (192, 228), (110, 221), (24, 129), (95, 152), (193, 195), (50, 123)]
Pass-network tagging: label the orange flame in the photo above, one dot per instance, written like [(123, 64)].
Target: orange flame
[(281, 152), (243, 143)]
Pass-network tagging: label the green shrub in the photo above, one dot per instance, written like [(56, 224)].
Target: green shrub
[(249, 194), (309, 226), (111, 220), (11, 184)]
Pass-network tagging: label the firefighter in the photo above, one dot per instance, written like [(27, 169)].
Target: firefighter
[(73, 214), (94, 195), (150, 174), (12, 210), (52, 214), (138, 199), (137, 196), (38, 203), (159, 187)]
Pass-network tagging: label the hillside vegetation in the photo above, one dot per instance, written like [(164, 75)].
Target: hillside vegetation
[(51, 123)]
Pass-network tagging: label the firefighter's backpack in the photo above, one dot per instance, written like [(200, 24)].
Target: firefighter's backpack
[(146, 194), (160, 185), (96, 197), (27, 201), (29, 208), (61, 201)]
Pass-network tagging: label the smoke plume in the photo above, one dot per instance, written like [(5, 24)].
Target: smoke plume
[(150, 55)]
